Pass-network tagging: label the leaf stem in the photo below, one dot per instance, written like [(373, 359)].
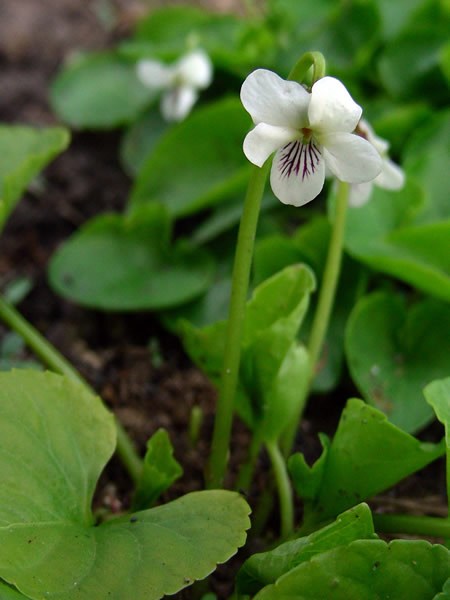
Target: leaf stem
[(330, 279), (57, 363), (284, 488), (241, 274), (414, 525), (245, 474)]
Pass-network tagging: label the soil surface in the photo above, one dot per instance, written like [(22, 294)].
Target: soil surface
[(138, 368)]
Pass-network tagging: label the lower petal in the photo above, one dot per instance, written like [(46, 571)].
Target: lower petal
[(263, 140), (298, 173), (350, 157), (176, 104)]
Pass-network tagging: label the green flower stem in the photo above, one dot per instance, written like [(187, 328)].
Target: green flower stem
[(413, 525), (315, 60), (241, 274), (325, 303), (330, 279), (284, 488), (56, 362)]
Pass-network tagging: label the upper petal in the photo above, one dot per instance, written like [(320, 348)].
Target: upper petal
[(332, 108), (264, 139), (350, 157), (270, 99), (176, 103), (391, 177), (195, 69), (298, 173), (154, 74)]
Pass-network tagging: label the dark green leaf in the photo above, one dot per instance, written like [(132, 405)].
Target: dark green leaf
[(139, 140), (437, 394), (125, 263), (25, 151), (393, 353), (409, 65), (272, 318), (426, 160), (55, 438), (265, 568), (99, 91), (383, 235), (198, 162), (367, 456), (369, 569)]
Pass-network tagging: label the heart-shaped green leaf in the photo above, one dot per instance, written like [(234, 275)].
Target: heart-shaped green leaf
[(384, 235), (9, 593), (167, 28), (55, 438), (160, 470), (233, 44), (145, 556), (139, 140), (119, 262), (273, 316), (409, 65), (265, 568), (445, 594), (395, 16), (344, 34), (372, 569), (309, 245), (25, 151), (99, 91), (393, 353), (426, 158), (437, 394), (367, 456), (198, 162)]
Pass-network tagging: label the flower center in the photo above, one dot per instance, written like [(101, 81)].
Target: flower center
[(307, 134)]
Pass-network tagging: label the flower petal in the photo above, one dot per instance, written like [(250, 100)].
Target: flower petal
[(176, 104), (270, 99), (391, 177), (154, 74), (195, 69), (264, 139), (298, 173), (350, 157), (365, 130), (360, 194), (332, 108)]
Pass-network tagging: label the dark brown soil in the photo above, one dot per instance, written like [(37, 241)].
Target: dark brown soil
[(136, 366)]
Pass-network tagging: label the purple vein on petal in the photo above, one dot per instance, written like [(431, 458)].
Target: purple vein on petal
[(297, 158)]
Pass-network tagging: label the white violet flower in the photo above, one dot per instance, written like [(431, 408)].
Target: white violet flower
[(180, 82), (391, 176), (308, 131)]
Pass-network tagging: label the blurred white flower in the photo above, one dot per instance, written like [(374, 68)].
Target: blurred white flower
[(308, 131), (391, 177), (179, 82)]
